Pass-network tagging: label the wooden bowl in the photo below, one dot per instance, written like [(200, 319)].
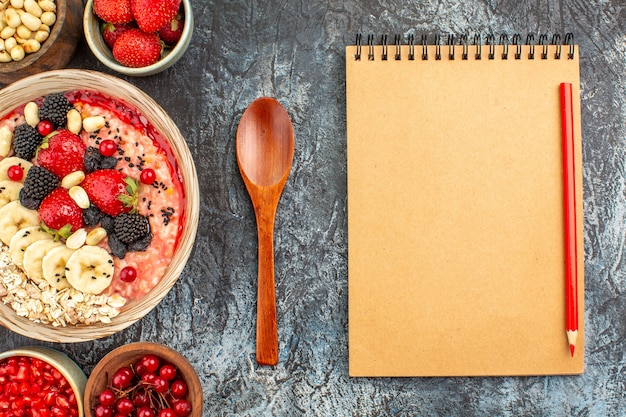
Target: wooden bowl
[(127, 355), (39, 85), (61, 362), (56, 51)]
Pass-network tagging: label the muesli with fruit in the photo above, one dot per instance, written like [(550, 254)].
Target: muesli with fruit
[(91, 207)]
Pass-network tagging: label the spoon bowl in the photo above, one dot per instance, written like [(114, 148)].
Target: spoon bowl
[(265, 147)]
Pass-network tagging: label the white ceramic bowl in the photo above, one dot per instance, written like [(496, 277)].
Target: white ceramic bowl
[(60, 361), (91, 26)]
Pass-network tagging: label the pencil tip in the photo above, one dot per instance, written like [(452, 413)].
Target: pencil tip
[(571, 349)]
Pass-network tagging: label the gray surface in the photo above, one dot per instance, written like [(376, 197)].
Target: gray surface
[(294, 51)]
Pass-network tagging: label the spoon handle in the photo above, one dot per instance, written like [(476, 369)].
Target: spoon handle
[(266, 328)]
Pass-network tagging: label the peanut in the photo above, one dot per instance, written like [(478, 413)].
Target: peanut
[(33, 8), (17, 53), (95, 236), (93, 123), (31, 46), (5, 57), (6, 139), (18, 4), (48, 18), (74, 121), (30, 21), (23, 32), (31, 113), (47, 5)]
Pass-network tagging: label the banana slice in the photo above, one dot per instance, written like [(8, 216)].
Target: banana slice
[(9, 191), (89, 269), (53, 266), (22, 239), (33, 258), (13, 217), (9, 162)]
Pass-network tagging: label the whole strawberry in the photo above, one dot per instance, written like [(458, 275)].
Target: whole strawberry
[(135, 48), (113, 11), (151, 15), (61, 153), (112, 31), (60, 213), (111, 191), (172, 31)]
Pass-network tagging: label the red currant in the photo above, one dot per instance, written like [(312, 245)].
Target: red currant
[(128, 274), (122, 379), (151, 362), (103, 411), (148, 377), (125, 406), (167, 372), (15, 173), (178, 388), (45, 127), (182, 408), (107, 397), (147, 176), (166, 412), (160, 385), (145, 412), (141, 398), (107, 147)]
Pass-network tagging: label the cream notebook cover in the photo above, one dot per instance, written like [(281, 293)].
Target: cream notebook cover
[(456, 253)]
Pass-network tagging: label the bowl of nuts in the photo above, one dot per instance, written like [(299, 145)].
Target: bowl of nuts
[(37, 35), (144, 379), (40, 381)]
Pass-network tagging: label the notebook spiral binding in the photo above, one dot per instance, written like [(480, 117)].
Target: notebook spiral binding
[(515, 43)]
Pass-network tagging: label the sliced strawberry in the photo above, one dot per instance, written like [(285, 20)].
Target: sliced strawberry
[(135, 48), (113, 11), (62, 153), (171, 32), (111, 191), (112, 31), (151, 15), (60, 213)]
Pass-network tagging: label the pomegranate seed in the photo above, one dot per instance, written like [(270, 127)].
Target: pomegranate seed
[(129, 274), (107, 147), (45, 127), (15, 173), (147, 176)]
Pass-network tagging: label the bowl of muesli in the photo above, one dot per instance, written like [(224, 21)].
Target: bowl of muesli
[(98, 205)]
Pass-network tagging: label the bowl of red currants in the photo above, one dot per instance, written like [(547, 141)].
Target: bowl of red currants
[(143, 379), (38, 381)]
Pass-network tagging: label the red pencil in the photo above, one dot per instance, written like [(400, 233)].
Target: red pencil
[(569, 200)]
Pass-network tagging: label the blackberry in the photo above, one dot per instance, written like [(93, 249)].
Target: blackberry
[(130, 228), (118, 248), (38, 184), (91, 216), (28, 202), (92, 159), (26, 140), (141, 244), (54, 108)]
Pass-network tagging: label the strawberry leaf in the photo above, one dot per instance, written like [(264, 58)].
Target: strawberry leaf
[(63, 232)]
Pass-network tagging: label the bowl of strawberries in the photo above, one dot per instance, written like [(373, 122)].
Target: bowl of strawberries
[(139, 37)]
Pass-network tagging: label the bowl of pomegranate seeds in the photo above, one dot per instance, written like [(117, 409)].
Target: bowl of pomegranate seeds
[(38, 381), (99, 205), (144, 379), (139, 37)]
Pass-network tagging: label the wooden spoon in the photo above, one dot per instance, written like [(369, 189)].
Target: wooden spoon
[(265, 145)]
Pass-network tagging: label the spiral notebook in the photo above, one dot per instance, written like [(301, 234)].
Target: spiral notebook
[(455, 207)]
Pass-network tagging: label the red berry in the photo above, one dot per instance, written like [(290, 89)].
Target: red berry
[(182, 408), (166, 412), (125, 406), (136, 48), (103, 411), (45, 127), (121, 379), (141, 398), (58, 209), (107, 147), (145, 412), (129, 274), (178, 388), (15, 173), (151, 362), (167, 372), (147, 176), (63, 153), (148, 377), (107, 397), (160, 385), (153, 14)]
